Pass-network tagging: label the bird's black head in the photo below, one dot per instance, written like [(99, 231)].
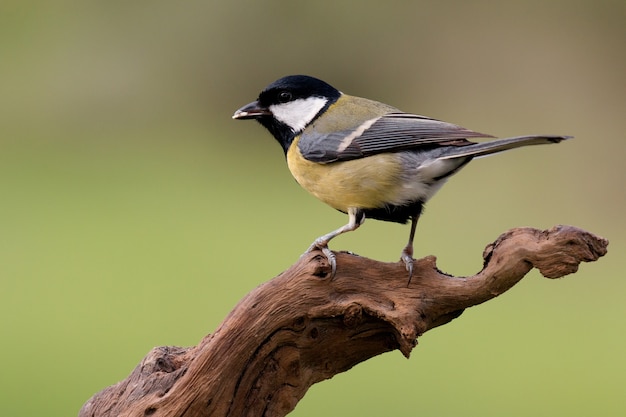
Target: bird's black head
[(288, 105)]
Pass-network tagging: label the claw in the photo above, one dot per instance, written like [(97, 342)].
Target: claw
[(408, 262), (355, 219), (330, 256), (331, 260), (407, 252)]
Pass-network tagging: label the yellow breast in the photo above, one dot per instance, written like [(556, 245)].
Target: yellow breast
[(370, 182)]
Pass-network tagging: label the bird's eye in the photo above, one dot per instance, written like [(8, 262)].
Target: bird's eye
[(284, 96)]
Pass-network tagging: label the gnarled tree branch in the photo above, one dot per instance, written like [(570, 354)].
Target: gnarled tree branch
[(303, 327)]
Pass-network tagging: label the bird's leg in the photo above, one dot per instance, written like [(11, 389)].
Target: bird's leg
[(407, 252), (355, 219)]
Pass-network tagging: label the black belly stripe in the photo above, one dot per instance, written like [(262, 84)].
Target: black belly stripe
[(397, 214)]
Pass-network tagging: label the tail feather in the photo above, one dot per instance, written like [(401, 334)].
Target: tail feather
[(499, 145)]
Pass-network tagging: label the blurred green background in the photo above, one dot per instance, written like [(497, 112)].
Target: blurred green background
[(135, 213)]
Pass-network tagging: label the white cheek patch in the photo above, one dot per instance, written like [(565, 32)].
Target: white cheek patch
[(298, 114)]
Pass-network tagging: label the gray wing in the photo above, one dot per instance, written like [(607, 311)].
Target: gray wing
[(389, 133)]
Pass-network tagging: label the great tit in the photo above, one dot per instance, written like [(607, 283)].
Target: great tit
[(366, 158)]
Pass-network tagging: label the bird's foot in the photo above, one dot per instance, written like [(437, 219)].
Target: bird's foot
[(322, 245), (407, 258)]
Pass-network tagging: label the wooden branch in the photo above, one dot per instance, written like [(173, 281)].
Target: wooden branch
[(302, 327)]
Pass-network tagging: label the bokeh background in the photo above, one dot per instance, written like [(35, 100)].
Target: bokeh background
[(135, 213)]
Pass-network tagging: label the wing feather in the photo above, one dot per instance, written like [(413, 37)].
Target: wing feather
[(392, 132)]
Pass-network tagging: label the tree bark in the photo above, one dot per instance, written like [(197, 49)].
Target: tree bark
[(303, 327)]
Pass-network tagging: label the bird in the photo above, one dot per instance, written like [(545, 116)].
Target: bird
[(365, 158)]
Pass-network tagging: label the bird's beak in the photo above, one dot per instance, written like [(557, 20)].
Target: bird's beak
[(252, 111)]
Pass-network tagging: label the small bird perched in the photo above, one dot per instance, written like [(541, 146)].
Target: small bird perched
[(366, 158)]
